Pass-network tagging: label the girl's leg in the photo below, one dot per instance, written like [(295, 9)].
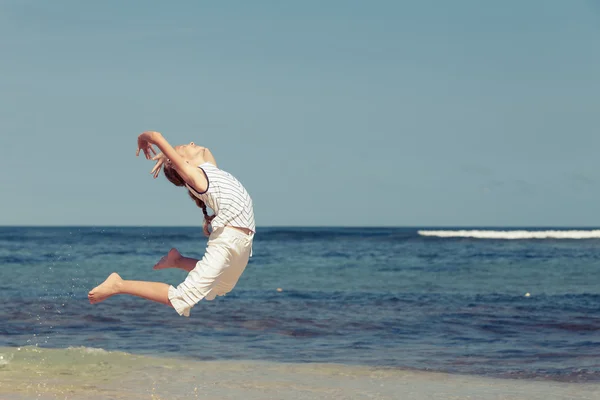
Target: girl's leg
[(175, 260), (155, 291)]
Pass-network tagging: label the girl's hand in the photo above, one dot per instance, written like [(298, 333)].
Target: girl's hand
[(160, 159), (145, 141)]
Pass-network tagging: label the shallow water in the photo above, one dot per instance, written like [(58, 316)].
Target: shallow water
[(84, 373)]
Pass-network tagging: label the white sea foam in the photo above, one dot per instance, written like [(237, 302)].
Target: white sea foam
[(89, 350), (514, 234), (5, 358)]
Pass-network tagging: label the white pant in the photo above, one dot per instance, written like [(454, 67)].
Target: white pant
[(217, 273)]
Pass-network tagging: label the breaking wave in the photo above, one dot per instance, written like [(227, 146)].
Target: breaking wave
[(514, 234)]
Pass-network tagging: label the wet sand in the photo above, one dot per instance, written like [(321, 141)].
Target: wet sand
[(95, 374)]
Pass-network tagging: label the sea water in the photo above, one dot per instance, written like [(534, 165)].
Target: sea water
[(368, 311)]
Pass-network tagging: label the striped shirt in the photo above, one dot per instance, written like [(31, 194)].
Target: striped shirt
[(227, 197)]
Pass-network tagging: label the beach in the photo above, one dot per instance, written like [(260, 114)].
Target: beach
[(416, 185), (82, 373)]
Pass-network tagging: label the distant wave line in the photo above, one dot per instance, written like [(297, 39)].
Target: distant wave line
[(512, 235)]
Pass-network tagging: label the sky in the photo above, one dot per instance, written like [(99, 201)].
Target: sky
[(344, 113)]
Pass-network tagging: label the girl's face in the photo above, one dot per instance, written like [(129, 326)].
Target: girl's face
[(188, 151)]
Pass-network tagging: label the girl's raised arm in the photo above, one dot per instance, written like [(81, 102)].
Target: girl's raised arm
[(190, 174)]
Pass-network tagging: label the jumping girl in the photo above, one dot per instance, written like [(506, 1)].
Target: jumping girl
[(230, 229)]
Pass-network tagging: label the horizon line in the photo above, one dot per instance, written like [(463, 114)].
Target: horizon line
[(326, 226)]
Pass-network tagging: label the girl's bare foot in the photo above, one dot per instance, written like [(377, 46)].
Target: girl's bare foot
[(169, 261), (106, 289)]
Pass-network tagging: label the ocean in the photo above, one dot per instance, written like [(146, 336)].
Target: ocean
[(318, 313)]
